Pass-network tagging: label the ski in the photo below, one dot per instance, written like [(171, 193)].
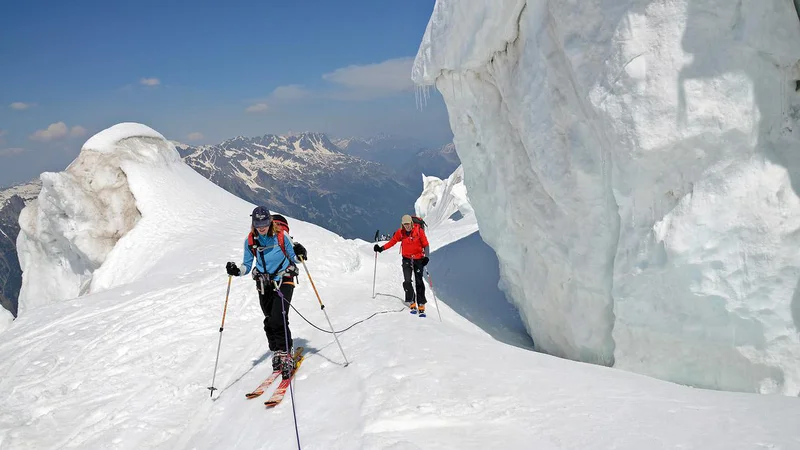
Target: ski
[(264, 385), (277, 396), (270, 379)]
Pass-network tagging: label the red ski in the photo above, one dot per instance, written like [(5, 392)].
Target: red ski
[(272, 377), (277, 396)]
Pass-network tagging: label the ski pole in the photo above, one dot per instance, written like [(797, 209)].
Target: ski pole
[(219, 344), (286, 335), (374, 274), (322, 307), (434, 294)]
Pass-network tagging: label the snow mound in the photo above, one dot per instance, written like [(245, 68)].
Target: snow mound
[(635, 167), (80, 215)]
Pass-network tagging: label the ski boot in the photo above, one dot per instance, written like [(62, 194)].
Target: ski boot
[(287, 365), (413, 308), (422, 310), (277, 359)]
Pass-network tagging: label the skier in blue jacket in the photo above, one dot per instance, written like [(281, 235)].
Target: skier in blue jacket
[(276, 258)]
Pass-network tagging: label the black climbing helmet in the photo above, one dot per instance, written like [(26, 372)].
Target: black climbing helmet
[(261, 217)]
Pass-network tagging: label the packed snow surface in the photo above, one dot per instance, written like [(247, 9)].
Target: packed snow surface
[(128, 365), (6, 319), (635, 164)]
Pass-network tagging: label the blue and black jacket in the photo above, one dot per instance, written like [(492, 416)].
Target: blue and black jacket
[(270, 258)]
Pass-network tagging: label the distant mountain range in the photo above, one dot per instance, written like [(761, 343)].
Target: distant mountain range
[(351, 186), (12, 200), (307, 177), (409, 158)]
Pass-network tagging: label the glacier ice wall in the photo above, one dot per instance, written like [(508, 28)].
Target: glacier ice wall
[(635, 166), (82, 212)]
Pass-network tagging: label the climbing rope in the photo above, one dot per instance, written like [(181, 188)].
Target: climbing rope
[(349, 327)]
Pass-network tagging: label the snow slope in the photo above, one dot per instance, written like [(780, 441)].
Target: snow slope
[(6, 319), (127, 366), (634, 164)]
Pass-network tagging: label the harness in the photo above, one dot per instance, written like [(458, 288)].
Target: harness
[(257, 251)]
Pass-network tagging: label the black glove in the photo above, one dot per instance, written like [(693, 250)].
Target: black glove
[(377, 248), (301, 252), (424, 261), (232, 269)]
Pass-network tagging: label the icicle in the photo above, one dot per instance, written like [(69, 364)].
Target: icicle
[(421, 96)]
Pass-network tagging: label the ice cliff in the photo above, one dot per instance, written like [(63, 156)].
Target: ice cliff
[(70, 231), (635, 165)]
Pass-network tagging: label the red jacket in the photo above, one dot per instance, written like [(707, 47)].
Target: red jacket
[(412, 244)]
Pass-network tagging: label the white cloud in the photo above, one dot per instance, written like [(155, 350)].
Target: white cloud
[(290, 92), (364, 82), (150, 81), (21, 106), (57, 131), (54, 132), (196, 136), (258, 107), (77, 131), (11, 151), (351, 83)]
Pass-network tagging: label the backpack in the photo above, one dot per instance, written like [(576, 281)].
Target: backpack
[(419, 221)]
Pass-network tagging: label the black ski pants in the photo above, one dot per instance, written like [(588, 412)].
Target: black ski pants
[(413, 266), (270, 303)]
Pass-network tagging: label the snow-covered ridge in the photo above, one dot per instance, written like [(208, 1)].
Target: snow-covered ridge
[(26, 191), (635, 168), (301, 143)]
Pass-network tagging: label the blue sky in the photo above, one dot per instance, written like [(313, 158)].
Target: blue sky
[(201, 72)]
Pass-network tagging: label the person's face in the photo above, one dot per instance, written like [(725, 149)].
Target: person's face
[(407, 226), (262, 230)]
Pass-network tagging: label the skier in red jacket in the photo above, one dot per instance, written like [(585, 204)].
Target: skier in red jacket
[(415, 250)]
